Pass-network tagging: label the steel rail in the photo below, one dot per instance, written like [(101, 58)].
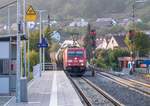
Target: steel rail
[(131, 80), (138, 82), (86, 100), (105, 94), (125, 84)]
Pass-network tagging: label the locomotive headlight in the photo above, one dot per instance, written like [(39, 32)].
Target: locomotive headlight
[(82, 64), (69, 61), (81, 61), (69, 64)]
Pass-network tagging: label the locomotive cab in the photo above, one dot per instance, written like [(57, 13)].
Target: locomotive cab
[(75, 60)]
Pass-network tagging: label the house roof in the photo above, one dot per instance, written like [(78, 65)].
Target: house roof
[(120, 41), (108, 38)]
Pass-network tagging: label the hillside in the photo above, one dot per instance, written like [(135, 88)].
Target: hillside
[(82, 8), (68, 9)]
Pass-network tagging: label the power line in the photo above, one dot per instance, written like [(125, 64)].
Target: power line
[(6, 5)]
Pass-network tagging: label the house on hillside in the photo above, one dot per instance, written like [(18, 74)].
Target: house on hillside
[(116, 42), (108, 22), (101, 43), (78, 23)]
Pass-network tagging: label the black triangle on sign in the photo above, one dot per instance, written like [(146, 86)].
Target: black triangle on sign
[(30, 11)]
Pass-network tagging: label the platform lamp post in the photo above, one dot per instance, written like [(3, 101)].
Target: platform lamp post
[(40, 51)]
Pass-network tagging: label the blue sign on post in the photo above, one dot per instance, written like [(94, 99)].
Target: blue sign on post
[(43, 44), (147, 62)]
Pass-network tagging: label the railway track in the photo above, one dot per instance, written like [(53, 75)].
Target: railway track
[(83, 96), (135, 85), (96, 92)]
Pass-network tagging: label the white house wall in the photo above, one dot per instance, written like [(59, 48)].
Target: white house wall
[(112, 43)]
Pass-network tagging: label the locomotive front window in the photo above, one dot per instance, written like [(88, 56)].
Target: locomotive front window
[(79, 53), (75, 53), (71, 53)]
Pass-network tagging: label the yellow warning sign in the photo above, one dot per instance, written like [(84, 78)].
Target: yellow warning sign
[(31, 14)]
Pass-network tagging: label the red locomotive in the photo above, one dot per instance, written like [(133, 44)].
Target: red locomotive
[(74, 60)]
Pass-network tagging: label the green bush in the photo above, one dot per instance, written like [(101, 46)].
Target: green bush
[(109, 58), (34, 59)]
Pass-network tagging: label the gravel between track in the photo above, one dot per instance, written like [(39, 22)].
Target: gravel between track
[(95, 98), (123, 94)]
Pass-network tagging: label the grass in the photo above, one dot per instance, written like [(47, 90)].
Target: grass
[(147, 75)]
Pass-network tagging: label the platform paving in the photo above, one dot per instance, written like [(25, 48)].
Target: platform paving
[(52, 89)]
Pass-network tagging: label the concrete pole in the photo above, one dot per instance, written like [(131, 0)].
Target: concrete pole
[(18, 97)]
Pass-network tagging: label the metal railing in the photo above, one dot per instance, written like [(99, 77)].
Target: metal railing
[(49, 66)]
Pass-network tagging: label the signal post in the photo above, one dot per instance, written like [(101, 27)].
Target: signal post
[(93, 46)]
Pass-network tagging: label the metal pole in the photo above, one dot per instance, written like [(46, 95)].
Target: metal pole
[(8, 26), (18, 98), (40, 42), (133, 14), (21, 45), (43, 51), (24, 31), (40, 54), (28, 53)]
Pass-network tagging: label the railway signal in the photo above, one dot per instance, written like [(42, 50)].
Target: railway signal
[(131, 35), (93, 38), (93, 46)]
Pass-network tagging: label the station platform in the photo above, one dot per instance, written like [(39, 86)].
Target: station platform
[(52, 89)]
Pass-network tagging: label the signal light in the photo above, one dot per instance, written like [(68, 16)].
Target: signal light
[(93, 38), (93, 32)]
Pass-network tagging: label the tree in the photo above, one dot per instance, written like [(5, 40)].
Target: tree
[(48, 32), (33, 59), (34, 38), (128, 41), (140, 43), (87, 43), (109, 58), (116, 29)]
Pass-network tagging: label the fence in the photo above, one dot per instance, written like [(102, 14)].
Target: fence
[(49, 66)]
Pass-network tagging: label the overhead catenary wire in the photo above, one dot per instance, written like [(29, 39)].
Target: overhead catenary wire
[(6, 5)]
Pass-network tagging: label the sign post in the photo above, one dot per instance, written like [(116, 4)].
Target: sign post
[(43, 44), (31, 16)]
